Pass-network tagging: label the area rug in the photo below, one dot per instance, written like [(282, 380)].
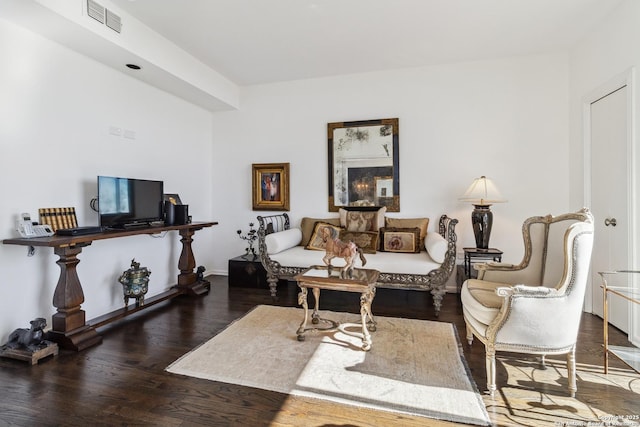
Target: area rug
[(414, 367)]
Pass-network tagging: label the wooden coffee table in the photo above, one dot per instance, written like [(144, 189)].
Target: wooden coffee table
[(362, 281)]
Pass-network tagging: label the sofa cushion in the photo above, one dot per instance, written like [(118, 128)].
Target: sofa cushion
[(282, 240), (316, 242), (385, 262), (436, 246), (366, 240), (421, 223), (308, 224), (405, 240), (354, 220)]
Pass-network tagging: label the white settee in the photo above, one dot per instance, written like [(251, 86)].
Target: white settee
[(283, 256)]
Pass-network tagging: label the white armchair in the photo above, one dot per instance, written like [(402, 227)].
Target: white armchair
[(533, 307)]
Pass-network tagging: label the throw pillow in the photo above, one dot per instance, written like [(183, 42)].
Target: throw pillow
[(317, 241), (405, 240), (308, 224), (436, 247), (283, 240), (354, 220), (366, 240), (421, 223)]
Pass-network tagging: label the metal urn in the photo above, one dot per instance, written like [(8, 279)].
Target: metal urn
[(135, 283)]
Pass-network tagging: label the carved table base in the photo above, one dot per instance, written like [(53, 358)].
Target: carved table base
[(317, 278)]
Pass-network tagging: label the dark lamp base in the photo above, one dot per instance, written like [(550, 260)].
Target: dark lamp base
[(482, 220)]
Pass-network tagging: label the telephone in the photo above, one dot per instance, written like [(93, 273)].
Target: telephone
[(25, 227)]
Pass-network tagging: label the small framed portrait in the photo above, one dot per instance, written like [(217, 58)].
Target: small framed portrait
[(173, 198), (270, 184)]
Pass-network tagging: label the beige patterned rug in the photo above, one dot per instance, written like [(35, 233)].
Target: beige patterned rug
[(414, 366)]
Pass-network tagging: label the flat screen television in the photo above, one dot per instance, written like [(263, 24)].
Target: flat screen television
[(128, 202)]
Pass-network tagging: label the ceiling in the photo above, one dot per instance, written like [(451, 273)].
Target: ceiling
[(261, 41)]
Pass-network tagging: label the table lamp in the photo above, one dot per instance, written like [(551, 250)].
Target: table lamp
[(482, 193)]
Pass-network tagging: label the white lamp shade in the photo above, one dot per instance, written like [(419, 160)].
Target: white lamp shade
[(483, 192)]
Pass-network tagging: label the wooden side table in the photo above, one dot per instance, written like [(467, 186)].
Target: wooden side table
[(363, 281)]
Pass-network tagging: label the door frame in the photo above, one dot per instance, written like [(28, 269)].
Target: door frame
[(627, 78)]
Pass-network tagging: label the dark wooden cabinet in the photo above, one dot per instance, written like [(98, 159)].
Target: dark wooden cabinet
[(248, 272)]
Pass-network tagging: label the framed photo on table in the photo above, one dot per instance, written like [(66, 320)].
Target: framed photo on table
[(173, 198), (270, 184)]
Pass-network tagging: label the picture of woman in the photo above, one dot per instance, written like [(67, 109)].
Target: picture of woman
[(271, 186)]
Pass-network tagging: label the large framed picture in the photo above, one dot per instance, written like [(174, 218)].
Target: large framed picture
[(364, 165), (270, 186)]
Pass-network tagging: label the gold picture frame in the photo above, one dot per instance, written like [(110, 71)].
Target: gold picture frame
[(270, 186)]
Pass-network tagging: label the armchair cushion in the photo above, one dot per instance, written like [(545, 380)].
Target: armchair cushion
[(480, 300), (283, 240)]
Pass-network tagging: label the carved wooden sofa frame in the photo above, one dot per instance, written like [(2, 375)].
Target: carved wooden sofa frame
[(434, 281)]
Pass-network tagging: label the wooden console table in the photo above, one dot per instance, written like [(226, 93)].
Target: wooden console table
[(69, 327)]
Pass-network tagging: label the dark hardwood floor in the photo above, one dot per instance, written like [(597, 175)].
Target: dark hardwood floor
[(122, 381)]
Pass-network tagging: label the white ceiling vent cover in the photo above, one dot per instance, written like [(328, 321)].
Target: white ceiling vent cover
[(113, 21), (95, 11)]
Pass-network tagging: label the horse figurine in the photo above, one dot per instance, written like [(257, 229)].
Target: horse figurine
[(335, 248)]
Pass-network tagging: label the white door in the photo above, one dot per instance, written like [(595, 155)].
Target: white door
[(610, 197)]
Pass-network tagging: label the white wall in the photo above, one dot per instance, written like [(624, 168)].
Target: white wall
[(612, 50), (609, 51), (507, 119), (55, 110)]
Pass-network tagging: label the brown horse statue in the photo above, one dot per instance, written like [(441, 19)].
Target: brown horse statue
[(335, 248)]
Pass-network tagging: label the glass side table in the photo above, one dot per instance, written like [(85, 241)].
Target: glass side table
[(470, 254), (363, 281), (629, 355)]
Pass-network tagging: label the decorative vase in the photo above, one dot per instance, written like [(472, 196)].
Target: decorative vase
[(135, 283)]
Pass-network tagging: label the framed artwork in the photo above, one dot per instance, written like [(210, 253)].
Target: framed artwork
[(364, 165), (270, 186), (384, 186), (173, 198)]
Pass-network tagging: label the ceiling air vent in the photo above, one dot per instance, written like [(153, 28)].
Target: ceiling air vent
[(113, 21), (96, 11)]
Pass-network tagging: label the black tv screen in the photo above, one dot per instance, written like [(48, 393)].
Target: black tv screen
[(126, 202)]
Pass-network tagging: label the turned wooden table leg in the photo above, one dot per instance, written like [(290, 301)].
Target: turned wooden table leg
[(69, 328), (187, 279)]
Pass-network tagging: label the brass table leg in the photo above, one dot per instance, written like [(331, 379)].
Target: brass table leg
[(605, 301), (302, 300), (315, 317), (368, 323)]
